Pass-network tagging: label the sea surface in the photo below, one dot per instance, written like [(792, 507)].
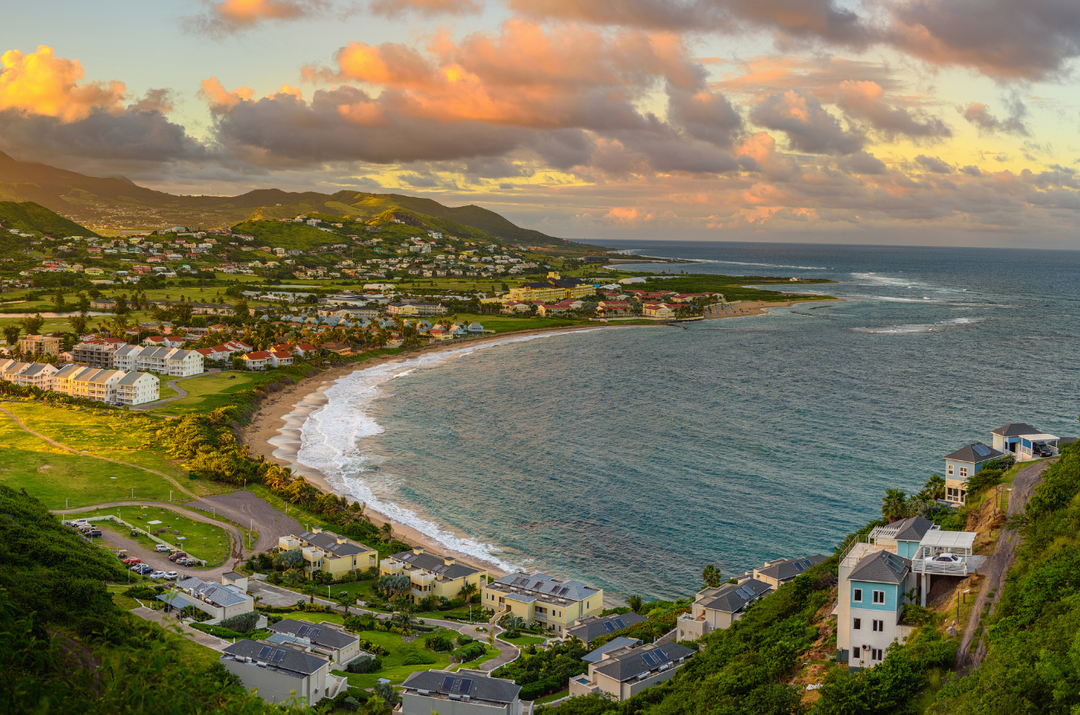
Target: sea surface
[(631, 458)]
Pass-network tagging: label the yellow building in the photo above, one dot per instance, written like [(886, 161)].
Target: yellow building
[(326, 551), (39, 345), (552, 290), (540, 598), (431, 574)]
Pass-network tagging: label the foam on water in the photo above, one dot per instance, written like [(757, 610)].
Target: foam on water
[(917, 328)]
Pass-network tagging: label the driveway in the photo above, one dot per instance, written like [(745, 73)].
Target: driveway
[(180, 392), (170, 622)]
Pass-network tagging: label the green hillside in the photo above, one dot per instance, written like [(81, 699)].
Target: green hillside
[(29, 217)]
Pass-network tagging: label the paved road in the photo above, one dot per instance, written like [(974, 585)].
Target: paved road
[(180, 392), (236, 536), (54, 443), (170, 622), (998, 565), (245, 509)]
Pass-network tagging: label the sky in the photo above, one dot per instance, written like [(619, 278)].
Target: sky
[(884, 121)]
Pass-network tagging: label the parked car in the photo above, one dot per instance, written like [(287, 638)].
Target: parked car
[(162, 548), (142, 569), (1041, 449), (93, 533), (178, 555), (945, 559), (132, 560), (189, 562), (170, 576), (158, 574)]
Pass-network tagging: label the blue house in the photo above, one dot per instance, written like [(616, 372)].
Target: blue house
[(964, 463), (476, 329), (876, 596)]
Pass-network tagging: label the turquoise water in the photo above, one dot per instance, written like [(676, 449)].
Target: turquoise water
[(630, 458)]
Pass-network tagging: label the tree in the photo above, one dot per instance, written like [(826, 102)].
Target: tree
[(58, 301), (387, 530), (934, 487), (635, 602), (78, 323), (32, 324), (309, 590), (11, 334), (514, 624), (712, 576), (346, 599), (894, 505), (122, 305)]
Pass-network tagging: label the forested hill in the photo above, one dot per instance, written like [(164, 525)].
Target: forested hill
[(29, 217)]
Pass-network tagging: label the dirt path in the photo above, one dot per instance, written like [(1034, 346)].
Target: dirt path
[(64, 447), (997, 566)]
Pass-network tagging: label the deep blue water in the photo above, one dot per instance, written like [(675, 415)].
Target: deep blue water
[(631, 458)]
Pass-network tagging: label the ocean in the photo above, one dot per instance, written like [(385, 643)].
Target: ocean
[(631, 458)]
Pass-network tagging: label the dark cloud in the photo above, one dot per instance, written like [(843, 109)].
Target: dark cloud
[(425, 8), (933, 164), (809, 128), (971, 170), (862, 163), (866, 100), (704, 115), (979, 115), (225, 17)]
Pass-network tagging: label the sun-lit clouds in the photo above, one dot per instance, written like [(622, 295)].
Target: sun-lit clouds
[(757, 76), (866, 100), (222, 17), (979, 115), (42, 83), (213, 92), (399, 8), (808, 126)]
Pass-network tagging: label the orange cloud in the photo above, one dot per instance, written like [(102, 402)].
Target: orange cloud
[(214, 93), (41, 83), (225, 16)]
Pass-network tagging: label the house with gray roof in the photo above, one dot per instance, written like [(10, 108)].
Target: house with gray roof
[(624, 672), (717, 608), (219, 600), (137, 388), (276, 671), (962, 464), (326, 551), (432, 575), (589, 629), (467, 692), (333, 642), (777, 573), (537, 597), (1020, 440), (597, 654)]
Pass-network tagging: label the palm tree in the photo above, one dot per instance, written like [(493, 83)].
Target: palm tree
[(514, 624), (387, 530), (894, 505), (346, 599), (934, 487), (309, 589)]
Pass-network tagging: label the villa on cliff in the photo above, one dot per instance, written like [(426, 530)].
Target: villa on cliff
[(539, 598), (327, 551), (717, 608), (432, 575)]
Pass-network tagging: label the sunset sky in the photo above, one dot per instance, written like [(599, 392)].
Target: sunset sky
[(885, 121)]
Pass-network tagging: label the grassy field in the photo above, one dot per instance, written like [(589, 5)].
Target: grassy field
[(506, 324), (202, 540), (208, 392), (127, 438), (53, 475), (165, 392), (522, 640)]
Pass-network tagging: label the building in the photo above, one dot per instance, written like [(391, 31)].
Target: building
[(964, 463), (280, 358), (657, 310), (173, 362), (717, 608), (540, 598), (589, 629), (431, 574), (277, 671), (624, 672), (552, 290), (34, 345), (878, 572), (256, 360), (97, 353), (467, 692), (36, 374), (324, 638), (217, 599), (776, 573), (97, 385), (1019, 440), (412, 309), (326, 551), (137, 388)]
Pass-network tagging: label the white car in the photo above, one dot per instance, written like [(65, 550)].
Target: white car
[(945, 559), (170, 576), (158, 574)]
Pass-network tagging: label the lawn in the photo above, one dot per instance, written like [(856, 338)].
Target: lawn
[(116, 435), (165, 392), (394, 668), (554, 696), (203, 541), (209, 392), (522, 640), (58, 477), (506, 324)]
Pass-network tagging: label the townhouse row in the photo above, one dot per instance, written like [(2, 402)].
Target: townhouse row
[(113, 387)]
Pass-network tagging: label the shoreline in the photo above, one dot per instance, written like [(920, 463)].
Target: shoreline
[(275, 431)]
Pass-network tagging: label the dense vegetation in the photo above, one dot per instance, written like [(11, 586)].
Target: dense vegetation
[(29, 217)]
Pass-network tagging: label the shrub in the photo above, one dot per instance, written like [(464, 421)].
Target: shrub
[(364, 664), (373, 647), (983, 480), (464, 639), (242, 623), (439, 642), (414, 656), (469, 652)]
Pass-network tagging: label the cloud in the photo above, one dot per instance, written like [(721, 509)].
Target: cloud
[(223, 17), (933, 164), (866, 100), (862, 163), (979, 115), (787, 19), (808, 126), (704, 115), (1005, 39), (427, 8), (43, 84), (761, 75)]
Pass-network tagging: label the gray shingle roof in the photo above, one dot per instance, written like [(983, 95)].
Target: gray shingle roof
[(733, 597), (881, 567), (589, 629), (790, 568), (435, 564), (324, 635), (213, 593), (912, 529), (481, 687), (328, 541), (636, 661), (288, 661), (548, 586), (131, 378), (1015, 429), (614, 644), (974, 453)]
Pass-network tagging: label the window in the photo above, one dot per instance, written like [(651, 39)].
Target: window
[(950, 470), (856, 595), (876, 654), (963, 472), (856, 652), (879, 597), (857, 625), (879, 626)]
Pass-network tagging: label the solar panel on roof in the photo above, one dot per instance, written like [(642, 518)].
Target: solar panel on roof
[(661, 656), (448, 683), (279, 656), (619, 623), (303, 630), (538, 585), (314, 633), (980, 449), (265, 651), (648, 658), (465, 686), (610, 628), (799, 566)]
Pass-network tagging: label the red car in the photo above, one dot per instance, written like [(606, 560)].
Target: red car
[(131, 561)]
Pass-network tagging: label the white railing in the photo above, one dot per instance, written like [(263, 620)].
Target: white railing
[(941, 568)]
